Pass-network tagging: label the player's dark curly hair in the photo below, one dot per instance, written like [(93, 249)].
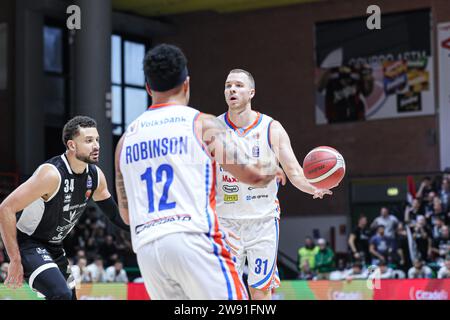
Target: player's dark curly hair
[(72, 127), (165, 67)]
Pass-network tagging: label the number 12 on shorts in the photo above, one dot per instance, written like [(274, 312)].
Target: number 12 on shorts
[(148, 178), (259, 264)]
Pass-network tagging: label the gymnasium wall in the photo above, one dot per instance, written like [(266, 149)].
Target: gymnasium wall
[(277, 46), (7, 96)]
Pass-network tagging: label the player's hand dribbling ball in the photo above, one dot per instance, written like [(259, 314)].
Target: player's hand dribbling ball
[(324, 167)]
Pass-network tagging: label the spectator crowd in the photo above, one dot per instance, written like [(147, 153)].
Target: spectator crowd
[(97, 250)]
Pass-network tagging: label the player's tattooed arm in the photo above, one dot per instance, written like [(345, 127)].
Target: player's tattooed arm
[(229, 152), (120, 185)]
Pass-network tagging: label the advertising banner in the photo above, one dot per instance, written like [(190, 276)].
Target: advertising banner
[(364, 74)]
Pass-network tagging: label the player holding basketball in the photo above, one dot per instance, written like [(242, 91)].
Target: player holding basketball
[(253, 213), (165, 178), (49, 205)]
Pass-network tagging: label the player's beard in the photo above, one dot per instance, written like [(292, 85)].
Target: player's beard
[(87, 159)]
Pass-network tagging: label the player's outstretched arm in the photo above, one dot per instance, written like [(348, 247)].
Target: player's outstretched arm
[(42, 184), (120, 185), (106, 202), (228, 152), (281, 145)]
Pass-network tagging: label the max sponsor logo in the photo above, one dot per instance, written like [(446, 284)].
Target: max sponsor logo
[(67, 198), (230, 189)]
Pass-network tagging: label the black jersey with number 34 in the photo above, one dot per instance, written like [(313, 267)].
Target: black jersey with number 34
[(51, 221)]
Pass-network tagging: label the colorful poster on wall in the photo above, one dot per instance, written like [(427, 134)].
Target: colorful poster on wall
[(364, 74)]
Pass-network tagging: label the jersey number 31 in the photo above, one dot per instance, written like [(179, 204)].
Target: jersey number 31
[(148, 178)]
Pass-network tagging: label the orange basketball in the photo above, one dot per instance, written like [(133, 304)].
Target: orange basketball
[(324, 167)]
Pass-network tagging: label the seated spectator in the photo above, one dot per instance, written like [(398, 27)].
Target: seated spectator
[(444, 271), (385, 271), (355, 272), (80, 272), (412, 211), (324, 260), (307, 253), (306, 273), (422, 236), (441, 245), (420, 271), (379, 246), (358, 241), (96, 270), (387, 220), (3, 271), (116, 273)]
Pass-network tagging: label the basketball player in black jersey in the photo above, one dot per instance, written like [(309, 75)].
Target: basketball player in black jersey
[(37, 216)]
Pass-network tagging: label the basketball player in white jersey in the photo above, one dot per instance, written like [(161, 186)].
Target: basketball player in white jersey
[(165, 178), (253, 213)]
